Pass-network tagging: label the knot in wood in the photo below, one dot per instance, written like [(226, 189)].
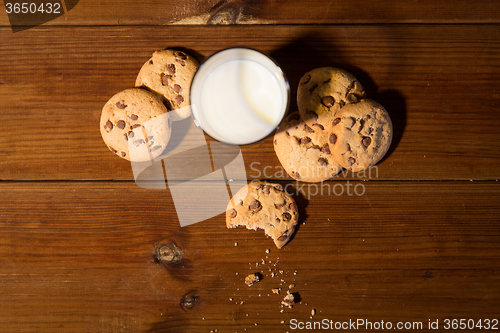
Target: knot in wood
[(187, 302), (169, 254)]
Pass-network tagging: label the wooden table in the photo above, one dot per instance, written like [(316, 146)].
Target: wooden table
[(79, 240)]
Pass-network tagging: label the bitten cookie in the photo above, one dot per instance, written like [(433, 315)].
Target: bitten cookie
[(327, 89), (261, 205), (135, 125), (360, 135), (169, 74), (303, 150)]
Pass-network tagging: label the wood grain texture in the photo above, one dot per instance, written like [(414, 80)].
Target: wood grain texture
[(439, 84), (196, 12), (83, 248), (80, 256)]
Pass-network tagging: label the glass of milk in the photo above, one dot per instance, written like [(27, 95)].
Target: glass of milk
[(239, 96)]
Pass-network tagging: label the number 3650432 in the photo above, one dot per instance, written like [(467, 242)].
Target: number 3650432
[(32, 8)]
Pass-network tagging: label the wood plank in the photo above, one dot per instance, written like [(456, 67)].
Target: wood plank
[(79, 256), (439, 83), (154, 12)]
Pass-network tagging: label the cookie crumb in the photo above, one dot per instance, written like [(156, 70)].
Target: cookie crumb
[(236, 244), (313, 312), (268, 250), (276, 290), (291, 286), (289, 299), (252, 279)]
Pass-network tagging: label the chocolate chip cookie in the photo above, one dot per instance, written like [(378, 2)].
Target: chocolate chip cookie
[(169, 74), (261, 205), (135, 125), (360, 135), (327, 89), (303, 150)]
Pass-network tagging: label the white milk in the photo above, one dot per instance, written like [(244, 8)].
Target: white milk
[(241, 98)]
